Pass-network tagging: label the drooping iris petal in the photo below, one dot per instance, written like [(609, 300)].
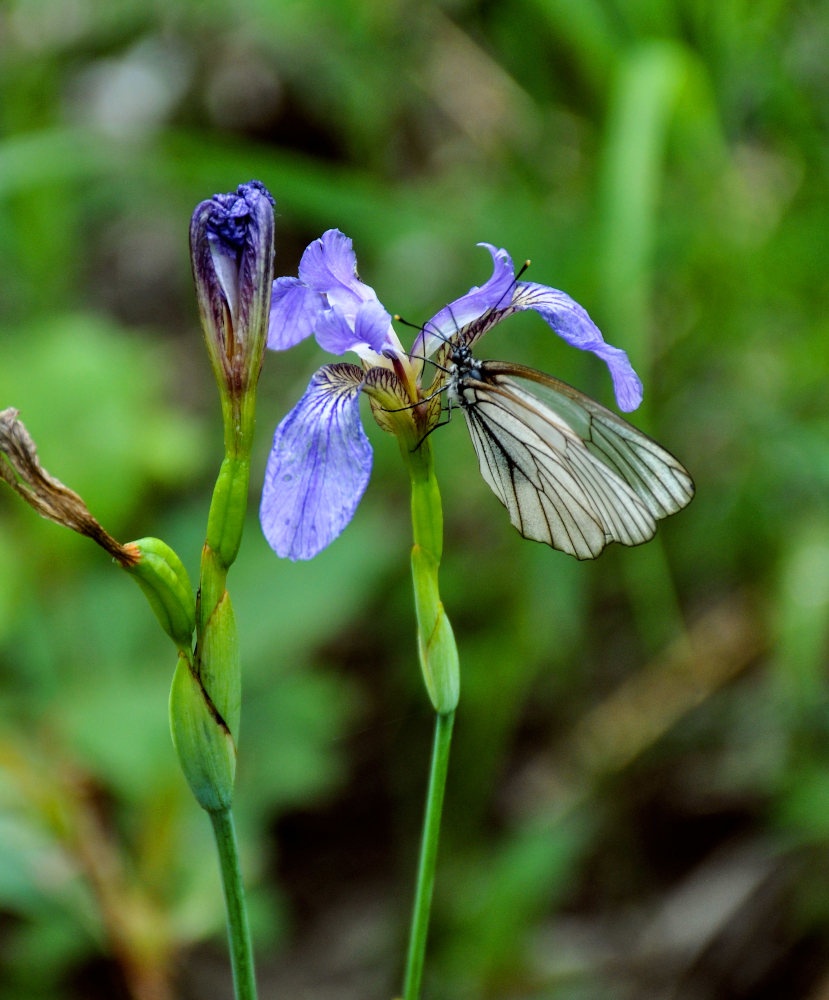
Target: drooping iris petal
[(572, 323), (465, 310), (319, 466), (334, 332), (370, 327), (295, 311)]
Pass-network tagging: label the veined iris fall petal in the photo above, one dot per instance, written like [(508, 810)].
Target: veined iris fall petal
[(319, 466)]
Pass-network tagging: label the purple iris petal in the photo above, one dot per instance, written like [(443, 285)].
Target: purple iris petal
[(571, 322), (465, 310), (330, 301), (370, 326), (329, 265), (295, 311), (319, 466)]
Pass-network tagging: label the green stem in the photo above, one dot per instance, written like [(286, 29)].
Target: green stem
[(428, 855), (241, 952)]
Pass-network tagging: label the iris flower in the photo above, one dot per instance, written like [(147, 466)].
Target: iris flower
[(320, 463)]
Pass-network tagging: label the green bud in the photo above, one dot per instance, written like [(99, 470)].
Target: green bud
[(435, 640), (228, 507), (161, 575)]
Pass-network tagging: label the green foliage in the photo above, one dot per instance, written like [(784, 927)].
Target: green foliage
[(621, 722)]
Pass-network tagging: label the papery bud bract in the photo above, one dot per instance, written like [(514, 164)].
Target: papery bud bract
[(231, 248), (21, 469)]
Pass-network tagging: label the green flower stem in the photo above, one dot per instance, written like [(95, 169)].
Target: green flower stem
[(427, 511), (231, 251), (439, 663), (205, 700), (226, 519), (241, 953), (428, 855)]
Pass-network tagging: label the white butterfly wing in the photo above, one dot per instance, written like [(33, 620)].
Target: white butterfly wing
[(570, 472)]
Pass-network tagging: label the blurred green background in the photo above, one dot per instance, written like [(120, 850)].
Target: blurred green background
[(638, 800)]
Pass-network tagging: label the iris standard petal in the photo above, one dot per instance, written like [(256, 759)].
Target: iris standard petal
[(295, 311), (572, 323), (319, 466), (470, 307), (329, 265)]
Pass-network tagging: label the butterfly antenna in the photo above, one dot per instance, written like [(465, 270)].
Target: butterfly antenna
[(420, 329)]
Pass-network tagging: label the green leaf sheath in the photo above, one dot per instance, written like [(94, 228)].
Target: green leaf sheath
[(435, 640), (205, 746), (205, 700)]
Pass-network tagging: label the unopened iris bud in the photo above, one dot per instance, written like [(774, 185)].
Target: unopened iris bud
[(231, 248)]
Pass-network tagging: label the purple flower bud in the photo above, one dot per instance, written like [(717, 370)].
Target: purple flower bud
[(231, 248)]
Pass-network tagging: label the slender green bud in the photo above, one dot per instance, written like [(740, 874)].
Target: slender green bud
[(226, 519), (435, 640), (205, 706), (161, 575)]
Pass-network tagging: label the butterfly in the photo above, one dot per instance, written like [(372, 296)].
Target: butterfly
[(570, 472)]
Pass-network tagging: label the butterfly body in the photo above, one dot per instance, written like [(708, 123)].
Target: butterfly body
[(570, 472)]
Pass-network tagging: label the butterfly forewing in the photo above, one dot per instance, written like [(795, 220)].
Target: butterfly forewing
[(570, 472)]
